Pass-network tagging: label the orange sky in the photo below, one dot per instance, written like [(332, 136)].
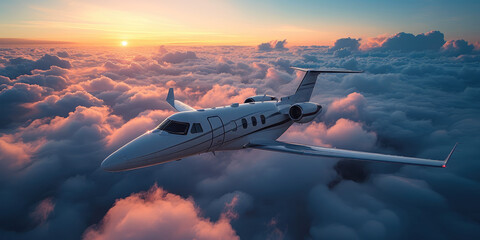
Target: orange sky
[(214, 22)]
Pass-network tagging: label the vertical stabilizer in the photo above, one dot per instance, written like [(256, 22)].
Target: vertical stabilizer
[(305, 89)]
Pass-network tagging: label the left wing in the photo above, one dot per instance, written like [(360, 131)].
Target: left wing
[(341, 153), (179, 106)]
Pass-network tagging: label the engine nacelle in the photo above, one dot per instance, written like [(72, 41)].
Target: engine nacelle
[(304, 112), (260, 98)]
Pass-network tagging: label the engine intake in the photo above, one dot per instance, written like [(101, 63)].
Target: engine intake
[(304, 112)]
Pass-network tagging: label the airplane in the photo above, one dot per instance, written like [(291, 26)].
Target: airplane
[(255, 124)]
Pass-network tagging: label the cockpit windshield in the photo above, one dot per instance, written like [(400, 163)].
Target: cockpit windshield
[(174, 127)]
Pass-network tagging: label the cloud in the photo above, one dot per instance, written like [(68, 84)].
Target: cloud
[(156, 213), (458, 47), (408, 102), (343, 133), (147, 120), (14, 154), (351, 107), (63, 54), (55, 82), (350, 44), (12, 100), (433, 40), (54, 105), (273, 46), (20, 66), (224, 95), (43, 210), (178, 57)]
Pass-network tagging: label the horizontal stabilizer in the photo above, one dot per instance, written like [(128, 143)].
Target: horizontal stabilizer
[(348, 154), (325, 71)]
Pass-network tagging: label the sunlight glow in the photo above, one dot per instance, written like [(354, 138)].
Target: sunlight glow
[(124, 43)]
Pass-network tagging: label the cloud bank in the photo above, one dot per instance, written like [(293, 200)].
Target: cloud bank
[(65, 109)]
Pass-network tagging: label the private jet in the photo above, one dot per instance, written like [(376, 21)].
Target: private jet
[(256, 124)]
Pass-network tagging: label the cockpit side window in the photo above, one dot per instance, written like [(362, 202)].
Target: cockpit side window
[(174, 127), (196, 128)]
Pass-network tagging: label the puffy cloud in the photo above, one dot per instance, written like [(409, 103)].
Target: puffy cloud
[(135, 127), (343, 133), (224, 95), (273, 46), (138, 99), (14, 154), (99, 84), (54, 105), (55, 82), (433, 40), (178, 57), (350, 44), (21, 92), (156, 213), (458, 47), (20, 66), (13, 98), (343, 52), (63, 54), (351, 107)]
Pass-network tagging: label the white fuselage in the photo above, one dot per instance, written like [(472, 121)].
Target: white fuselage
[(223, 128)]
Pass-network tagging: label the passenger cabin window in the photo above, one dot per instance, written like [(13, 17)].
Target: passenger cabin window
[(262, 118), (196, 128), (174, 127), (244, 123), (254, 121)]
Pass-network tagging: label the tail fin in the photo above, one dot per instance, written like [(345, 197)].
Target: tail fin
[(305, 89)]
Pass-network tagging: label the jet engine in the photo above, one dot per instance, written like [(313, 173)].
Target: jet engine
[(260, 98), (304, 112)]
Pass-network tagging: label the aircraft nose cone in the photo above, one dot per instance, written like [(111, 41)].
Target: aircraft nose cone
[(111, 163)]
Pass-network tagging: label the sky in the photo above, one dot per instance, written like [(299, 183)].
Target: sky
[(214, 22), (66, 107)]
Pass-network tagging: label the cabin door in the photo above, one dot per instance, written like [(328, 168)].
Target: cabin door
[(218, 133)]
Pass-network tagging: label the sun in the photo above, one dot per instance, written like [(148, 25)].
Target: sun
[(124, 43)]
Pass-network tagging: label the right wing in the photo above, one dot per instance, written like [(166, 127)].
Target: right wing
[(179, 106), (341, 153)]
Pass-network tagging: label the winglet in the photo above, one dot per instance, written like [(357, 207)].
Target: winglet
[(171, 97), (449, 155)]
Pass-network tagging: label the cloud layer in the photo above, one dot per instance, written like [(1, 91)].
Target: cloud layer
[(65, 109)]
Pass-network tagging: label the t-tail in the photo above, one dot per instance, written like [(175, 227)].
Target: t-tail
[(305, 89)]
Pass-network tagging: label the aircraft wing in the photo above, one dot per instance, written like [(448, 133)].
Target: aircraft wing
[(348, 154), (178, 105)]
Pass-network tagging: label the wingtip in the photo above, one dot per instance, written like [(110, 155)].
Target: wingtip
[(449, 155), (170, 95)]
